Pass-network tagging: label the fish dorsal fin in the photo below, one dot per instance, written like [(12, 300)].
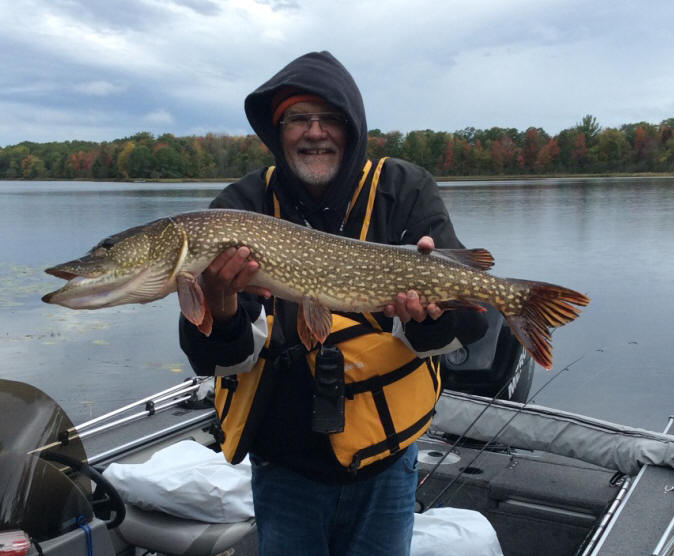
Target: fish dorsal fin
[(481, 259), (314, 322)]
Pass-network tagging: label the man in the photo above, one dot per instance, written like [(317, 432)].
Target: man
[(334, 471)]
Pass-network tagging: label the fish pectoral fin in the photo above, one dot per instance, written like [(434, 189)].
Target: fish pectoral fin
[(481, 259), (314, 322), (193, 303)]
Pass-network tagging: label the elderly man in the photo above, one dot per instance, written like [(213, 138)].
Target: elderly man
[(330, 431)]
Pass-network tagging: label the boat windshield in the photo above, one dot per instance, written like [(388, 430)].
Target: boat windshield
[(36, 495)]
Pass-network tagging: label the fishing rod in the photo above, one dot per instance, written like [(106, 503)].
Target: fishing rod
[(460, 438), (160, 401), (494, 437), (463, 435)]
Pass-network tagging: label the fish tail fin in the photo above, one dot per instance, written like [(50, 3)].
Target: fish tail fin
[(545, 306)]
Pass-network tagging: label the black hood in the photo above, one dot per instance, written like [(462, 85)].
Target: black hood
[(322, 74)]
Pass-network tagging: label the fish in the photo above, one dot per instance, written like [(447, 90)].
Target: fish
[(321, 272)]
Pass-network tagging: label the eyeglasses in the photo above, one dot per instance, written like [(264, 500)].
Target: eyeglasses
[(328, 121)]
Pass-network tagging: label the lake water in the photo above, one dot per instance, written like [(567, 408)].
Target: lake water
[(612, 239)]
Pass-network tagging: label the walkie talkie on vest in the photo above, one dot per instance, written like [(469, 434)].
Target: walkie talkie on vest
[(328, 403)]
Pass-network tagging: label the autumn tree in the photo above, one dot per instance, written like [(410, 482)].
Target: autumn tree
[(32, 168), (448, 157), (123, 158), (534, 139), (504, 153), (583, 148), (579, 153), (547, 156)]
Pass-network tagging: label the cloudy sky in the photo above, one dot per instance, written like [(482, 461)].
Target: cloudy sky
[(104, 69)]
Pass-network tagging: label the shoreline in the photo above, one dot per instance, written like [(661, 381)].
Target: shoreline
[(488, 177)]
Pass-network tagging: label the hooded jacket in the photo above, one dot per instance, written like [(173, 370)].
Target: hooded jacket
[(407, 206), (321, 74)]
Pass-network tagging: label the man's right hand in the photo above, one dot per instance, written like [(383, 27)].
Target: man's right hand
[(229, 273)]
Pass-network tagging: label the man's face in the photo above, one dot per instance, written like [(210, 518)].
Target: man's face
[(313, 149)]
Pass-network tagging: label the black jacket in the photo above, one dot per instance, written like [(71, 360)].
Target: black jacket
[(407, 206)]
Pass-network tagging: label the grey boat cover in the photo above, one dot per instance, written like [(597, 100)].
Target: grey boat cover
[(535, 427)]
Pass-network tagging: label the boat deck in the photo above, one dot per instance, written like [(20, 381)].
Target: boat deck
[(651, 494), (551, 501)]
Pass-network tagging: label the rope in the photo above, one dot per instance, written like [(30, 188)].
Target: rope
[(84, 525)]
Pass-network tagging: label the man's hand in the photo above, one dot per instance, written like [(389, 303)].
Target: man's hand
[(229, 273), (407, 305)]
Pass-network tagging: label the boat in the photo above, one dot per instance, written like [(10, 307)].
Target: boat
[(548, 482)]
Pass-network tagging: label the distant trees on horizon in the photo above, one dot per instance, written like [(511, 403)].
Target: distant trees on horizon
[(585, 148)]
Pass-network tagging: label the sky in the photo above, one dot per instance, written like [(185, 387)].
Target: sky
[(101, 70)]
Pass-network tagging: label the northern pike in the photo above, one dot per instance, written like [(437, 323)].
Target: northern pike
[(319, 271)]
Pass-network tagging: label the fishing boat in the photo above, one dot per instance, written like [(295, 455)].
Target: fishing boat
[(548, 482)]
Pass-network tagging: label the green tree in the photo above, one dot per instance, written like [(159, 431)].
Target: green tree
[(140, 163), (393, 145), (589, 127), (613, 150), (168, 163), (416, 149)]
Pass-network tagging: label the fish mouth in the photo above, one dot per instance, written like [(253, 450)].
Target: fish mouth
[(64, 274), (95, 291)]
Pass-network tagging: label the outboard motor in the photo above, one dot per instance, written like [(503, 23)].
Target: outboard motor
[(495, 365)]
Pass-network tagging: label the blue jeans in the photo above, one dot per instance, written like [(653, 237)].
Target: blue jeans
[(296, 515)]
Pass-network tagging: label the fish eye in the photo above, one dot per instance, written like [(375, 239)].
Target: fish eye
[(103, 247)]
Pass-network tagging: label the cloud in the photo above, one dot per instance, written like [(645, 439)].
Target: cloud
[(203, 7), (188, 64), (98, 88), (159, 117)]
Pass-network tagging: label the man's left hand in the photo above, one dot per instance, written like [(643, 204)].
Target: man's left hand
[(407, 305)]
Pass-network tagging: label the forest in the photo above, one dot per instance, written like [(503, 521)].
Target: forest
[(586, 148)]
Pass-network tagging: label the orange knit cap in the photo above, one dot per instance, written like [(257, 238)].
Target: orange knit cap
[(280, 106)]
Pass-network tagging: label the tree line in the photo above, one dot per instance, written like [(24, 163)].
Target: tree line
[(585, 148)]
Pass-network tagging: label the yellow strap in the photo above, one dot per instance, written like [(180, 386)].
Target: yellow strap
[(268, 174), (373, 321), (267, 179), (366, 224), (366, 171), (370, 200)]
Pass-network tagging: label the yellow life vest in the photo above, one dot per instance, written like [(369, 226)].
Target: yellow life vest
[(390, 394)]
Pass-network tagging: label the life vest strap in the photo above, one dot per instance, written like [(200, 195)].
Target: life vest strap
[(349, 333), (380, 447), (228, 383), (385, 415), (379, 381)]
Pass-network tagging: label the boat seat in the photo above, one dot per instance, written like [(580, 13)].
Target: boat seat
[(175, 536)]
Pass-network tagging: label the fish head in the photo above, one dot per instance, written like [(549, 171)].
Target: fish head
[(134, 266)]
